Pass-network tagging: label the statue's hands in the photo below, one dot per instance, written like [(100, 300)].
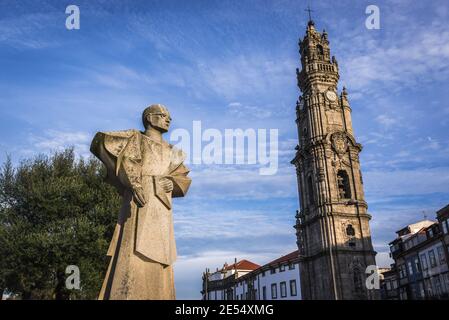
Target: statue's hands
[(166, 184), (139, 196)]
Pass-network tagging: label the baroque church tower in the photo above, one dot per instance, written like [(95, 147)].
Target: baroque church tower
[(333, 233)]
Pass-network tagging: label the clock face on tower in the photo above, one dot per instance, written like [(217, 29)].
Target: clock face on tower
[(331, 96)]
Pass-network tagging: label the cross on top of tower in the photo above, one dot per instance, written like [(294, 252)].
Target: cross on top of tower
[(310, 15), (309, 11)]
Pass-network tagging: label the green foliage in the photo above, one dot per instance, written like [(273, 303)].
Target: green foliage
[(55, 211)]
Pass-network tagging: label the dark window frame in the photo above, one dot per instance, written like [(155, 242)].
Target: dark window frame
[(283, 285), (293, 285), (275, 291)]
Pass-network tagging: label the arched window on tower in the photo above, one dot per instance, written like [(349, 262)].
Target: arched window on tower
[(320, 50), (310, 190), (350, 230), (344, 188)]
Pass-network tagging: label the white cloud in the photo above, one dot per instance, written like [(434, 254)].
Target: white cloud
[(56, 140), (242, 182), (28, 31), (432, 144), (406, 182), (252, 74), (386, 120), (207, 222), (407, 58), (383, 259), (240, 110)]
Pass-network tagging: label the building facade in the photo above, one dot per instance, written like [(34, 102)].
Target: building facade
[(333, 234), (421, 257), (276, 280), (389, 284)]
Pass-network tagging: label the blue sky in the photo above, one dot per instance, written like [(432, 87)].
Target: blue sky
[(231, 64)]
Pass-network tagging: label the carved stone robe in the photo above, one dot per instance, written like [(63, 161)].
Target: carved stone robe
[(143, 247)]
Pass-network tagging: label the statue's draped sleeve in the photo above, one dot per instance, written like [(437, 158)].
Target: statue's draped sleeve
[(120, 152), (178, 173)]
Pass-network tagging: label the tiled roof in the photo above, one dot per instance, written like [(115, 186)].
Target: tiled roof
[(243, 265), (287, 257)]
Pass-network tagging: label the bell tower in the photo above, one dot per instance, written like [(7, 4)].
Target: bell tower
[(332, 225)]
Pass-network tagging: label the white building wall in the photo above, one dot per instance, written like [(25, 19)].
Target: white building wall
[(277, 278), (241, 288)]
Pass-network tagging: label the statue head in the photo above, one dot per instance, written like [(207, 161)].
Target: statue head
[(156, 116)]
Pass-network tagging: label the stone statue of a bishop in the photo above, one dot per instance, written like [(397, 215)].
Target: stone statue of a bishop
[(147, 172)]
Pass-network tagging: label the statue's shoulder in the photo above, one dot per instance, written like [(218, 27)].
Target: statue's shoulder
[(121, 134), (115, 142)]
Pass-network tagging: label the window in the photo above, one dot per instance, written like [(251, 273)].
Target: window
[(406, 245), (264, 293), (395, 284), (281, 268), (388, 285), (441, 256), (263, 273), (424, 261), (310, 190), (350, 230), (402, 271), (320, 49), (430, 233), (344, 188), (410, 268), (433, 261), (422, 293), (447, 280), (272, 270), (283, 289), (291, 266), (417, 266), (293, 288), (403, 294), (438, 285), (274, 291), (445, 229)]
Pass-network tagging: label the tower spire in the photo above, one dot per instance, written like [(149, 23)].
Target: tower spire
[(310, 14)]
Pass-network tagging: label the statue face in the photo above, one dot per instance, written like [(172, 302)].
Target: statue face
[(160, 120)]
